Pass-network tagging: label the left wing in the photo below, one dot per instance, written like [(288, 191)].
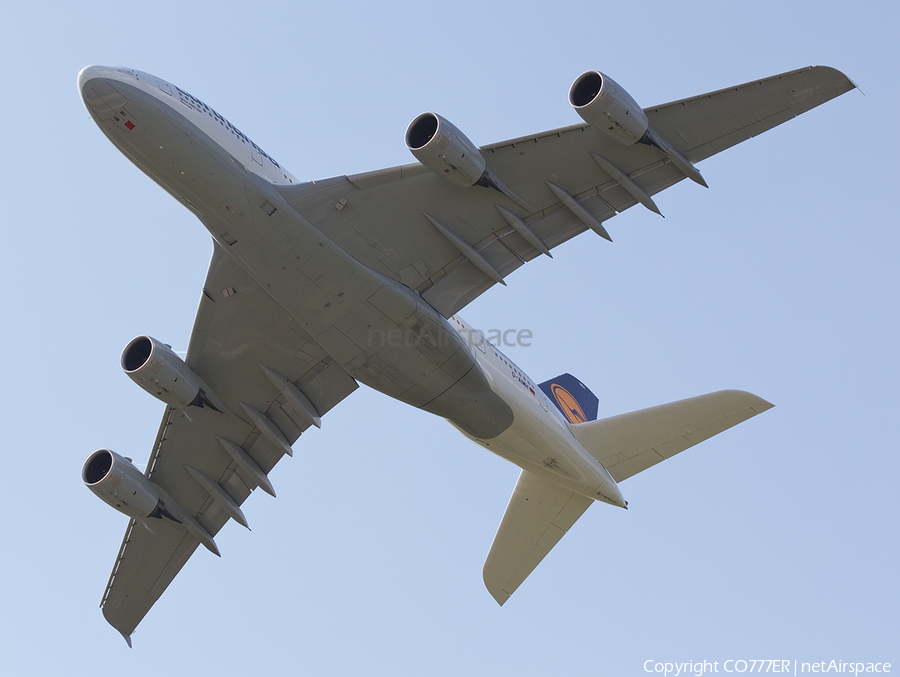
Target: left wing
[(238, 328), (451, 243)]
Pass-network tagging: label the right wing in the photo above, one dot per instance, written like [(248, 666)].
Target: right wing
[(238, 328)]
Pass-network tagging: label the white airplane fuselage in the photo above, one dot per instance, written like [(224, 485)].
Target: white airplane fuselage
[(439, 365)]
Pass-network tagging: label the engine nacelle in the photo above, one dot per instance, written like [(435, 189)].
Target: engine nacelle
[(115, 480), (445, 150), (603, 104), (157, 369)]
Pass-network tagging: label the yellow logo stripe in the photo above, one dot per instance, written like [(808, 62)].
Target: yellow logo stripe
[(569, 405)]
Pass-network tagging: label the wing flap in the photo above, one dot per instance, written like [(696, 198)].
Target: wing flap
[(631, 443), (538, 515)]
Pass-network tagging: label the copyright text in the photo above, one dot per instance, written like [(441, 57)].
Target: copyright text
[(790, 667)]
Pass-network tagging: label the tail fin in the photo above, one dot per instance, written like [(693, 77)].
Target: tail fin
[(576, 402)]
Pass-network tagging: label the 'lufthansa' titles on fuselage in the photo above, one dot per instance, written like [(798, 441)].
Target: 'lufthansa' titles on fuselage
[(197, 105)]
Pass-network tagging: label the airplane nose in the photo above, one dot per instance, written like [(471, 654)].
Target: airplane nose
[(102, 99), (87, 74)]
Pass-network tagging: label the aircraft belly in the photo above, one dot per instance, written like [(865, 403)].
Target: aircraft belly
[(560, 464), (382, 333)]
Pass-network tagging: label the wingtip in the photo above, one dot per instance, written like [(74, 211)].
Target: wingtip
[(763, 405), (493, 587), (842, 74), (127, 639), (499, 596)]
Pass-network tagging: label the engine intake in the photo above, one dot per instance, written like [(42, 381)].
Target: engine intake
[(604, 104), (440, 146), (120, 484), (158, 370)]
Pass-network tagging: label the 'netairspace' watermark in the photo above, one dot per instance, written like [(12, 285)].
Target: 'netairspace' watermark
[(422, 335), (790, 667)]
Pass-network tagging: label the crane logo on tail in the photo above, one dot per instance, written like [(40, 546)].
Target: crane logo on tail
[(574, 400), (568, 404)]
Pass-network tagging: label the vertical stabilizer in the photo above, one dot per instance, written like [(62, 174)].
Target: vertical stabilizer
[(574, 399)]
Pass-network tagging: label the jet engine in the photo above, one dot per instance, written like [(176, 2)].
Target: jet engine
[(603, 104), (440, 146), (157, 369), (118, 482)]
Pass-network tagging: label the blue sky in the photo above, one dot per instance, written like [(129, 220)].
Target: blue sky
[(777, 539)]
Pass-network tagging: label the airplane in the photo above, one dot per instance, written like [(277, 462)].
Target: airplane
[(315, 287)]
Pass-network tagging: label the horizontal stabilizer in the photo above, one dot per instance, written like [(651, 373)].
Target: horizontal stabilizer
[(630, 443), (538, 515)]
